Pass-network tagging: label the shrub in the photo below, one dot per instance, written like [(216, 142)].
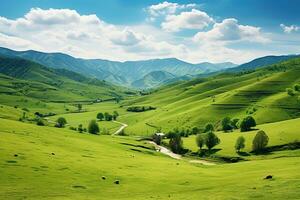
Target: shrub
[(108, 117), (200, 140), (93, 127), (73, 128), (247, 123), (208, 128), (100, 116), (80, 129), (290, 91), (260, 141), (211, 140), (61, 122), (40, 122), (226, 124), (297, 87), (240, 143)]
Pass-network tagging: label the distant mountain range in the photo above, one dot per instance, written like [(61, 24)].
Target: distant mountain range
[(127, 73), (139, 74)]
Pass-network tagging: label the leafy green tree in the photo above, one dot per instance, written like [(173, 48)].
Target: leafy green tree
[(209, 128), (234, 123), (93, 127), (80, 128), (290, 91), (226, 124), (297, 87), (211, 140), (100, 116), (176, 143), (200, 140), (61, 122), (107, 116), (240, 144), (79, 107), (260, 141), (157, 139), (115, 115), (247, 123), (195, 131)]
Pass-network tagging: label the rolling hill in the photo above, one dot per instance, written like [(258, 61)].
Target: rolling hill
[(122, 73), (261, 93), (153, 79), (24, 78)]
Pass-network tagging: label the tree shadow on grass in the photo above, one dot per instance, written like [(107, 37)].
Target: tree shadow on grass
[(242, 153)]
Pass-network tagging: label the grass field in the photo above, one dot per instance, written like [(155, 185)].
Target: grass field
[(51, 163), (279, 133)]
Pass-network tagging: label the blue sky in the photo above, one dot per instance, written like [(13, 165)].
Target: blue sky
[(195, 31)]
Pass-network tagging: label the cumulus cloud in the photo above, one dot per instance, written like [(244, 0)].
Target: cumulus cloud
[(229, 30), (166, 8), (289, 29), (194, 19)]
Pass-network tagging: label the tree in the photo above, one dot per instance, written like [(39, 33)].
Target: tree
[(260, 141), (93, 127), (209, 128), (61, 122), (200, 140), (107, 116), (290, 91), (100, 116), (80, 128), (240, 143), (115, 115), (157, 139), (247, 124), (234, 123), (226, 124), (176, 143), (297, 87), (79, 107), (195, 130), (211, 140)]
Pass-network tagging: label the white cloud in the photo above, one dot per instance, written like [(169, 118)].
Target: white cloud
[(229, 30), (194, 19), (166, 8), (289, 29)]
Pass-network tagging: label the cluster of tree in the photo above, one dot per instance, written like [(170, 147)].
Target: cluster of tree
[(140, 108), (184, 132), (259, 143), (38, 114), (209, 139), (292, 91), (229, 124), (108, 117)]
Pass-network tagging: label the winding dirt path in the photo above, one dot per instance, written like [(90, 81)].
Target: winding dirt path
[(167, 152), (121, 128)]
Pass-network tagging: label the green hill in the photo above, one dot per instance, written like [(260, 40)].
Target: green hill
[(261, 93), (153, 79), (23, 79)]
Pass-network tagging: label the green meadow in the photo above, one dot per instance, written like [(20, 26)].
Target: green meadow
[(46, 162)]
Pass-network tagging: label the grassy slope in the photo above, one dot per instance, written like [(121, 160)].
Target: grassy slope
[(279, 133), (75, 171), (197, 102)]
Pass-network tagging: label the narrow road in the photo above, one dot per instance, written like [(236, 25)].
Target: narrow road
[(167, 152), (121, 128)]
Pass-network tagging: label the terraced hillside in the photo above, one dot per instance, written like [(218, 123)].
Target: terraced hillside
[(261, 93)]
